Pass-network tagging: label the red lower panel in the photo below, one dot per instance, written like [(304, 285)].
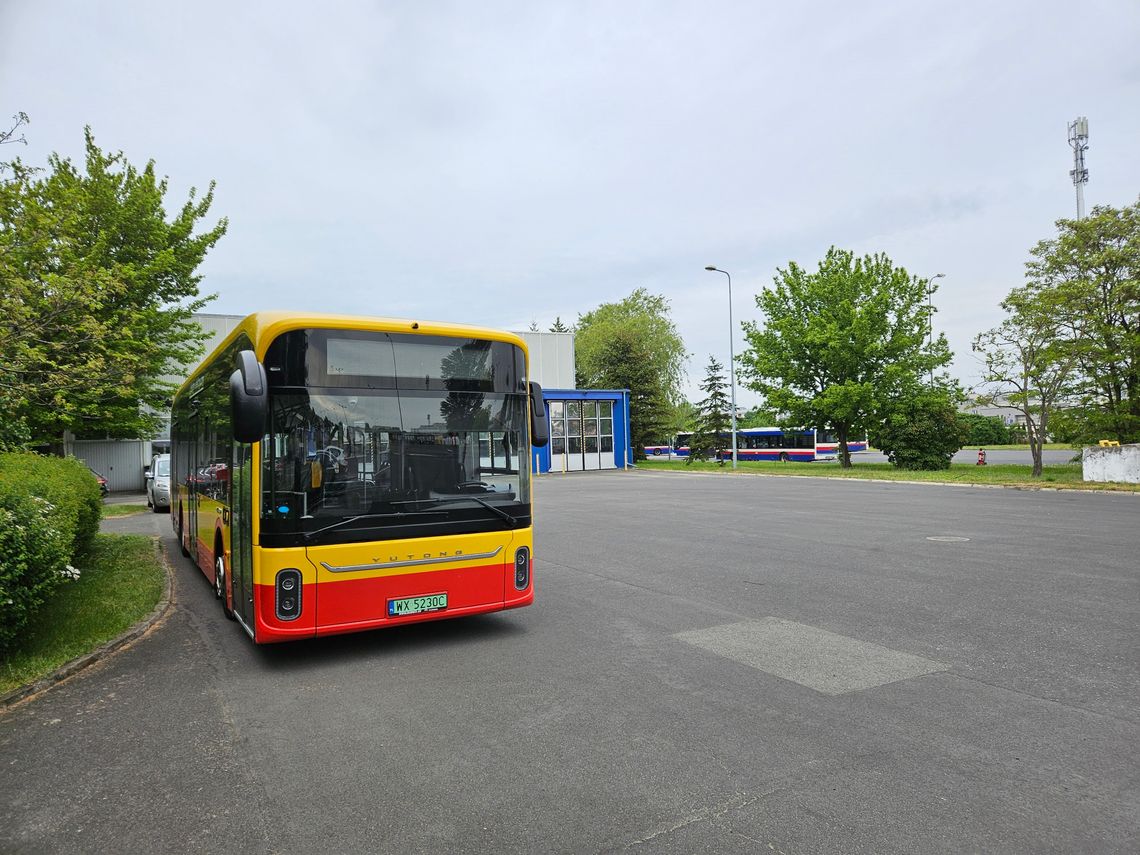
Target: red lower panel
[(350, 605)]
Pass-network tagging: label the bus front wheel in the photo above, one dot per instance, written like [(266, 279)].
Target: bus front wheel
[(182, 535), (220, 584), (783, 457)]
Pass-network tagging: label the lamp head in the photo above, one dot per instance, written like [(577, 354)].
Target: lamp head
[(710, 267)]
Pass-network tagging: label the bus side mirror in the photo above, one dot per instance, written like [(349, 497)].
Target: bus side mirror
[(539, 423), (249, 398)]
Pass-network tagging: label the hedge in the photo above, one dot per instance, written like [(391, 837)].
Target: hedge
[(49, 515)]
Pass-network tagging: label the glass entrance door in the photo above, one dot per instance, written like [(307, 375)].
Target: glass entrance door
[(581, 435)]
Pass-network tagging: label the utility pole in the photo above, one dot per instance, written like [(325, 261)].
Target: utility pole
[(1079, 142), (930, 318), (731, 359)]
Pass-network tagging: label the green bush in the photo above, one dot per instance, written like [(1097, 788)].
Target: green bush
[(33, 559), (985, 430), (67, 484), (49, 516), (922, 433)]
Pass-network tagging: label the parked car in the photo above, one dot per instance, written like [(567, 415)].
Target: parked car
[(158, 484), (102, 481)]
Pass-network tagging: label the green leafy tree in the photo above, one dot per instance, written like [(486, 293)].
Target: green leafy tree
[(713, 416), (558, 326), (97, 290), (759, 416), (839, 345), (921, 431), (1028, 364), (985, 430), (1088, 277), (633, 344), (682, 418)]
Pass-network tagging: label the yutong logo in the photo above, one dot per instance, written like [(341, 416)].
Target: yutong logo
[(427, 556)]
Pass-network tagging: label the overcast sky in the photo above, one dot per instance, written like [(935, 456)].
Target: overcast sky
[(499, 163)]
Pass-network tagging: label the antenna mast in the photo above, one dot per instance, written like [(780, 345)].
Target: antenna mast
[(1079, 141)]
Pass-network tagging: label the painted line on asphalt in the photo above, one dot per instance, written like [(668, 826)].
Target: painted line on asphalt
[(826, 662)]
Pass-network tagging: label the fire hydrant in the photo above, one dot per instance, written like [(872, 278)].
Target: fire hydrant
[(981, 457)]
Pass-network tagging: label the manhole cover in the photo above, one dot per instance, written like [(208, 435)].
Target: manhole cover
[(948, 539)]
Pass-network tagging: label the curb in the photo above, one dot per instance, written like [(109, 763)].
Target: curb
[(81, 663)]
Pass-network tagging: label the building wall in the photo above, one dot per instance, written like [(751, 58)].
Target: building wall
[(120, 461), (551, 358), (1116, 463)]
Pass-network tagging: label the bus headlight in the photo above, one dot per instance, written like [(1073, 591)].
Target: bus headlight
[(522, 568), (288, 590)]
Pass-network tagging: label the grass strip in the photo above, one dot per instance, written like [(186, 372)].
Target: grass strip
[(1049, 446), (1067, 475), (123, 510), (118, 585)]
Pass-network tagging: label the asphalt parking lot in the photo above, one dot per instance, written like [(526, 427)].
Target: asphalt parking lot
[(714, 663)]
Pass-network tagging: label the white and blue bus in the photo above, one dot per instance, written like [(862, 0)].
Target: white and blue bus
[(769, 443)]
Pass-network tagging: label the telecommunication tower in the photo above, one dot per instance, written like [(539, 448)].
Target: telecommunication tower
[(1079, 141)]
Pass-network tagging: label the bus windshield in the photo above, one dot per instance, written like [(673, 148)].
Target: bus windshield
[(377, 435)]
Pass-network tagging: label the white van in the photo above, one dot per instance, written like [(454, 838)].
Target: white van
[(158, 484)]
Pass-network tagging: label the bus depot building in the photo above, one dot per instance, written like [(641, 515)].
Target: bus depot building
[(589, 427)]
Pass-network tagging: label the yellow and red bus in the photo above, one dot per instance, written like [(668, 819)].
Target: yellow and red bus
[(332, 474)]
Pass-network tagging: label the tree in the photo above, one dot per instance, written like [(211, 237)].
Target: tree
[(921, 431), (97, 290), (1028, 363), (713, 419), (682, 418), (9, 136), (1089, 278), (985, 430), (840, 344), (759, 416), (558, 326), (633, 344)]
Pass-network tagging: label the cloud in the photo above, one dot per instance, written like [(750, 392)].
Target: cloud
[(499, 162)]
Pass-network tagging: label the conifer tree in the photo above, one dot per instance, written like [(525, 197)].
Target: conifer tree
[(714, 418)]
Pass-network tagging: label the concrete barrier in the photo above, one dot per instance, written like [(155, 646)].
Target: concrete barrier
[(1112, 463)]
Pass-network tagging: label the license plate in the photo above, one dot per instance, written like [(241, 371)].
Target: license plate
[(417, 605)]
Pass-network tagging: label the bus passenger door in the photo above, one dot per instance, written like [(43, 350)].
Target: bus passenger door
[(192, 486), (241, 533)]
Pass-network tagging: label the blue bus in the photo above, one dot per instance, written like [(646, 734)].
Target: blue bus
[(770, 443)]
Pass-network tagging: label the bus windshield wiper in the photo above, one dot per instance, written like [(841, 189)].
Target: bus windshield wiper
[(511, 521), (309, 535)]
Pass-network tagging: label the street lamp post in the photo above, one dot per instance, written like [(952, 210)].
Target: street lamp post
[(930, 317), (731, 359)]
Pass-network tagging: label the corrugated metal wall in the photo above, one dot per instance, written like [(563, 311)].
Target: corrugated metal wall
[(120, 461), (551, 358)]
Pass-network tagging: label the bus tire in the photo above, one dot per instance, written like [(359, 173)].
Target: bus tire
[(657, 452), (182, 534), (220, 581), (783, 457)]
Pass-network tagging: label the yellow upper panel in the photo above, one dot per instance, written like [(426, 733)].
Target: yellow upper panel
[(263, 327)]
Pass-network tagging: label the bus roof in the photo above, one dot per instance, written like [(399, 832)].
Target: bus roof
[(263, 327)]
